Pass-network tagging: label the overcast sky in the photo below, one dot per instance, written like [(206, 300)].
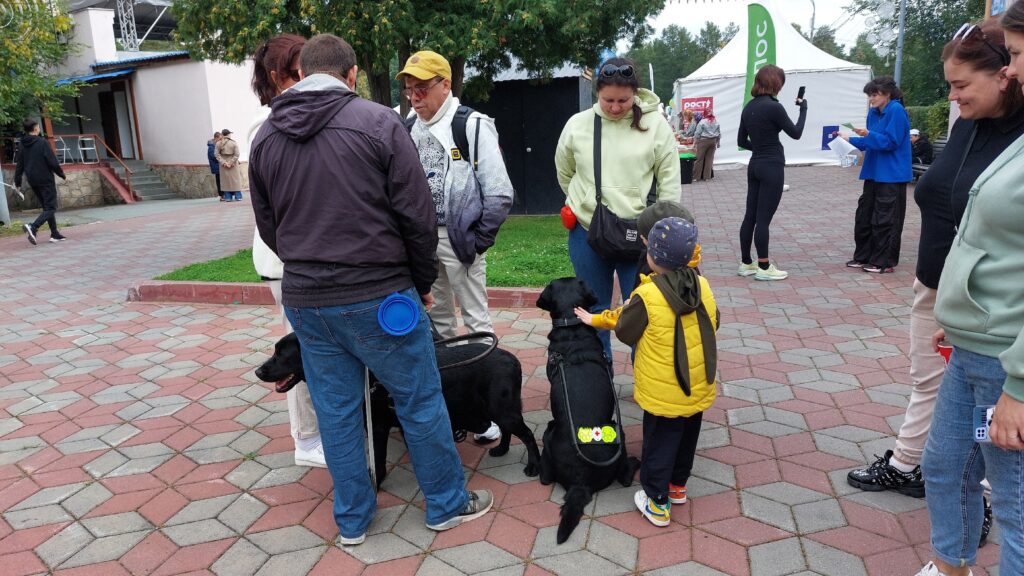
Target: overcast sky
[(694, 13)]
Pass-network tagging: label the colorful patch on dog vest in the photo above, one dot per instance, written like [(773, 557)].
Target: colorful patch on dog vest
[(605, 434)]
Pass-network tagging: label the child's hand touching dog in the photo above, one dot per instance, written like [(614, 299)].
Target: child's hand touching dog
[(585, 316)]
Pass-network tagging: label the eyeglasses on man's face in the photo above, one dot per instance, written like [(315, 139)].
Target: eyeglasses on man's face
[(420, 90)]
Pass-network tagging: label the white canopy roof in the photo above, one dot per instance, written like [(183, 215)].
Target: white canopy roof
[(834, 91)]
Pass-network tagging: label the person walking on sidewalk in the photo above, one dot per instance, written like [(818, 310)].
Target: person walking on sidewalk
[(671, 318), (878, 223), (38, 164), (991, 118), (761, 121), (368, 232), (276, 69)]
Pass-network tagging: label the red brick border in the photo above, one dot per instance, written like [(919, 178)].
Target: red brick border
[(257, 294)]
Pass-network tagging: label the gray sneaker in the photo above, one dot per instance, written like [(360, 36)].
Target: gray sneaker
[(479, 504)]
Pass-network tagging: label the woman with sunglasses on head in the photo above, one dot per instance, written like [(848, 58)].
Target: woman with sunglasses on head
[(878, 223), (980, 310), (991, 118), (639, 165), (276, 69), (761, 121)]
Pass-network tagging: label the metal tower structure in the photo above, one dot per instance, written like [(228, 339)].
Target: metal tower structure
[(126, 18)]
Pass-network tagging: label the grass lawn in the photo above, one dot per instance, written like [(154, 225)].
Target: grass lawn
[(530, 251)]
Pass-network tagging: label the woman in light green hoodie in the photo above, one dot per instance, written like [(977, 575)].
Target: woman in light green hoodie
[(980, 308), (638, 156)]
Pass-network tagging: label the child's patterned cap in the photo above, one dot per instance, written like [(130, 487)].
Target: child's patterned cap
[(671, 243)]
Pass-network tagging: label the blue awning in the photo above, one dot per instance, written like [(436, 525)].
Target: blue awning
[(89, 78)]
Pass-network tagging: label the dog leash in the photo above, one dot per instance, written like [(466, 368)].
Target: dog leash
[(471, 336), (560, 362)]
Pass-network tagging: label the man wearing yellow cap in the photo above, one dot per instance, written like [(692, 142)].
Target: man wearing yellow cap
[(471, 189)]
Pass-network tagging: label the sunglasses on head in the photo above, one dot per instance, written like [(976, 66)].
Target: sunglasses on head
[(968, 31), (626, 71)]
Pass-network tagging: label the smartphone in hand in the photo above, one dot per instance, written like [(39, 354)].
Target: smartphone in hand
[(800, 93)]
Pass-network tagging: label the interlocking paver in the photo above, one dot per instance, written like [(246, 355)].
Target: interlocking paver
[(158, 404)]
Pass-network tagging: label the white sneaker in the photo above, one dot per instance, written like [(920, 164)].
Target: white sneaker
[(930, 569), (351, 541), (492, 434), (747, 269), (314, 457), (772, 273), (785, 187)]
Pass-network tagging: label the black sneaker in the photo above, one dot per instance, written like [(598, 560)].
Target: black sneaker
[(881, 476), (856, 264), (58, 238), (879, 269), (31, 233), (986, 524)]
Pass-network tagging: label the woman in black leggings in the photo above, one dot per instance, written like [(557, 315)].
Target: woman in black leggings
[(760, 123)]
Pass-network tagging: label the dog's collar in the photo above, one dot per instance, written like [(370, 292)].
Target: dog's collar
[(562, 322)]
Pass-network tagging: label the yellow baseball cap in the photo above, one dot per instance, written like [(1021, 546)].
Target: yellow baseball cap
[(425, 65)]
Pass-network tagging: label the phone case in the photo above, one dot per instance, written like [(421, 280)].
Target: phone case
[(982, 421)]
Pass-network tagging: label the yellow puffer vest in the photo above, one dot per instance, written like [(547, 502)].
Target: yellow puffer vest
[(656, 388)]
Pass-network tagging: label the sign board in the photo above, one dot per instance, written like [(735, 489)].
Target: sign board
[(827, 134), (698, 104)]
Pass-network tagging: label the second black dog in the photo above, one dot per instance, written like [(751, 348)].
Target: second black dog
[(476, 394)]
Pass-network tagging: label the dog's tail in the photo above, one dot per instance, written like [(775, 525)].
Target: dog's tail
[(576, 499)]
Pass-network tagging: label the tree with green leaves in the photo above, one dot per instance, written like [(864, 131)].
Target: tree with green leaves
[(824, 39), (541, 34), (864, 52), (33, 35), (675, 53), (929, 26)]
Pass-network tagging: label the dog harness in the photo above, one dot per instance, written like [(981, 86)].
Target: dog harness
[(608, 435)]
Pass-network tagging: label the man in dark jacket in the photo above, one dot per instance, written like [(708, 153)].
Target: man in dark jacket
[(920, 148), (211, 157), (38, 164), (340, 197)]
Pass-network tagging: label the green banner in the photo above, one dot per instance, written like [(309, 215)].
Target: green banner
[(760, 43)]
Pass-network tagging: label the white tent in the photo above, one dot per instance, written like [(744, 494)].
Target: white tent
[(834, 92)]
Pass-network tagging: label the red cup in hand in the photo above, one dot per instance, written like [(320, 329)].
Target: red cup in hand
[(945, 350)]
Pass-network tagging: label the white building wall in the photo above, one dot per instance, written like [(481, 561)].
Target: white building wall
[(233, 104), (174, 112), (94, 32)]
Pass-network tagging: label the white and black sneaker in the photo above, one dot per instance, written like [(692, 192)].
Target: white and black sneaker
[(490, 435), (31, 233), (58, 238), (881, 476), (479, 504)]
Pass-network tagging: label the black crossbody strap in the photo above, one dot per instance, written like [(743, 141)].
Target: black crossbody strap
[(597, 156)]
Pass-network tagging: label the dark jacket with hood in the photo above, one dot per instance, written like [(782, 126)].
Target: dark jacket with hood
[(340, 196), (211, 157), (37, 163)]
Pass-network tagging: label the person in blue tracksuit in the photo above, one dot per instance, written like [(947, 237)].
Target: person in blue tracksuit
[(878, 224)]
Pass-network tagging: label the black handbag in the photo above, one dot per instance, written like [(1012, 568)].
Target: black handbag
[(613, 238)]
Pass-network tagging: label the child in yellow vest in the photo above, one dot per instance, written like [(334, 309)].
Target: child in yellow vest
[(671, 318)]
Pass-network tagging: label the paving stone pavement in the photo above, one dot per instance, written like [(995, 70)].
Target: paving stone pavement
[(134, 438)]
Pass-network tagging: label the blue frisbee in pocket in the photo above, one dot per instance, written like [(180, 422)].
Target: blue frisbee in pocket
[(398, 314)]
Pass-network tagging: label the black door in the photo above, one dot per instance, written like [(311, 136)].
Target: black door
[(529, 116)]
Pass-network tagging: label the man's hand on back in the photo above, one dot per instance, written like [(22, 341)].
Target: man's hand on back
[(428, 300)]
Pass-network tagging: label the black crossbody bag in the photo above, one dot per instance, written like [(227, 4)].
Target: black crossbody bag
[(613, 238)]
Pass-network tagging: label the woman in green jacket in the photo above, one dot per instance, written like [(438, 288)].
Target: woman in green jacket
[(980, 308), (638, 154)]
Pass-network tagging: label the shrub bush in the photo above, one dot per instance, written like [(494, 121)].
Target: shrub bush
[(919, 118), (937, 121)]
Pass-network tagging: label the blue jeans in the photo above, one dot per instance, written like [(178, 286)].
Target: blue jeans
[(337, 343), (598, 274), (954, 465), (236, 196)]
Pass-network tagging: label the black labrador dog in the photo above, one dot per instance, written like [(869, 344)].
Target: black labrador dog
[(581, 382), (477, 393)]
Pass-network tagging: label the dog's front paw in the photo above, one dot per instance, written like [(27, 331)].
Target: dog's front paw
[(498, 451), (532, 470)]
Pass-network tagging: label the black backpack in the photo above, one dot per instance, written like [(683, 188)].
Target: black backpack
[(458, 133)]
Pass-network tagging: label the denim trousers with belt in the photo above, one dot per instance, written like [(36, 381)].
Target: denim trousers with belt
[(338, 342), (954, 465)]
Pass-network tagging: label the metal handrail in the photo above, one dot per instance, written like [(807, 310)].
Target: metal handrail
[(127, 171)]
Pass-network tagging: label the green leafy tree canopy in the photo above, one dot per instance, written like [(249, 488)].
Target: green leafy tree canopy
[(675, 53), (32, 37)]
